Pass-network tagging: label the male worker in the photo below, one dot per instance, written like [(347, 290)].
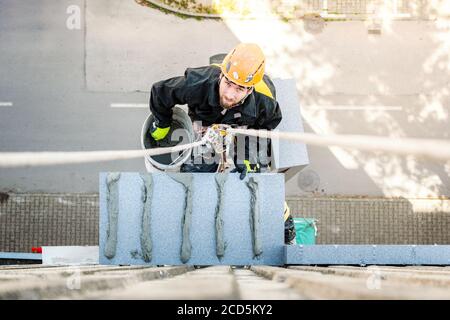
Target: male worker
[(237, 92)]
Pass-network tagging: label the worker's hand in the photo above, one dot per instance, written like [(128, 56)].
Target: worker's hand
[(216, 137), (157, 132), (245, 168)]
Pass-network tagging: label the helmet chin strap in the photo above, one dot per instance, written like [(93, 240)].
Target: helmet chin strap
[(243, 99)]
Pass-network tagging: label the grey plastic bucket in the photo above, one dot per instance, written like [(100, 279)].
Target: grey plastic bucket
[(181, 132)]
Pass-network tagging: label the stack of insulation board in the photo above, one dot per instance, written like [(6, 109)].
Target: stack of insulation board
[(191, 218)]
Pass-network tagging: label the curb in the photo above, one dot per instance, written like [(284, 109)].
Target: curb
[(165, 7)]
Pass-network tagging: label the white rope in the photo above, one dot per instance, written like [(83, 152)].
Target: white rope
[(434, 149), (32, 159)]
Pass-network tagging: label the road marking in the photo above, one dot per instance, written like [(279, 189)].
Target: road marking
[(6, 104), (129, 105), (358, 108)]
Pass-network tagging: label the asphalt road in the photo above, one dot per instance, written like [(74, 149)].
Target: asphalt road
[(43, 76), (57, 86)]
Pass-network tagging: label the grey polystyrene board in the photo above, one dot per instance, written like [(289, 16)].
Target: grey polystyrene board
[(285, 153), (167, 209), (367, 254)]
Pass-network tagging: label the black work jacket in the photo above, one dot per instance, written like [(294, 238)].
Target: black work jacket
[(199, 89)]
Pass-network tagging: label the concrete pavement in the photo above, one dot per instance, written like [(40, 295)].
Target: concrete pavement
[(360, 283), (223, 282)]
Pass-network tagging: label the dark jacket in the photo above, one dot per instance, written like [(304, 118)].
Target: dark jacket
[(199, 89)]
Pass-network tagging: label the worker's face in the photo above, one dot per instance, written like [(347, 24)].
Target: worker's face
[(231, 93)]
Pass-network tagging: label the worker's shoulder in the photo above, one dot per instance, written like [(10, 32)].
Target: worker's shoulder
[(265, 95), (265, 90), (202, 74)]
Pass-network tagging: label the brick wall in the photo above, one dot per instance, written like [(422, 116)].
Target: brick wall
[(415, 8), (376, 221), (28, 220), (47, 220)]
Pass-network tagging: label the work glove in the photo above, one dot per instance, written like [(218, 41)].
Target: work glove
[(245, 168), (157, 132)]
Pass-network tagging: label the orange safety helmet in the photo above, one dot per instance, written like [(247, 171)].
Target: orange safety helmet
[(244, 65)]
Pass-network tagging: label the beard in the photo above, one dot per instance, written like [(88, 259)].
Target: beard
[(226, 105)]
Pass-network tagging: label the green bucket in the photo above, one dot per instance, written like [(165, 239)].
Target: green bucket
[(306, 230)]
